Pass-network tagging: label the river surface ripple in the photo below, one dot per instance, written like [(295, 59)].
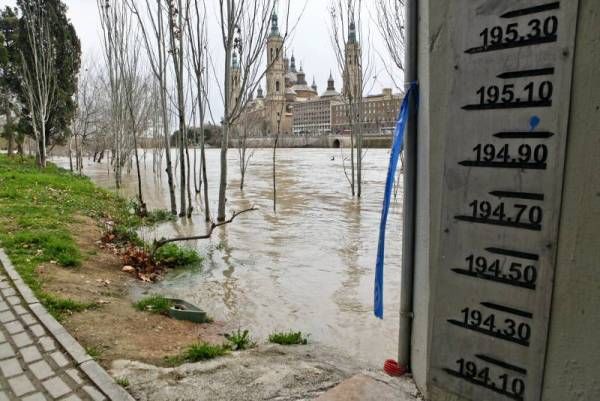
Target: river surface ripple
[(309, 267)]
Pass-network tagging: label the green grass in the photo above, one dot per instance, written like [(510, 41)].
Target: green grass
[(198, 352), (94, 352), (240, 340), (154, 304), (37, 207), (158, 216), (171, 255), (122, 381), (60, 307), (288, 338)]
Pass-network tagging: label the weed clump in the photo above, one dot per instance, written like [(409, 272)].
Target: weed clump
[(288, 338), (198, 352), (154, 304), (171, 256), (240, 340), (122, 381)]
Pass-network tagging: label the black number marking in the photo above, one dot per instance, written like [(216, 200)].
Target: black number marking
[(515, 34), (480, 372), (493, 269), (526, 153)]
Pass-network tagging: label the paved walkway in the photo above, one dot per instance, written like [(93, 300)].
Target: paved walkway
[(39, 360)]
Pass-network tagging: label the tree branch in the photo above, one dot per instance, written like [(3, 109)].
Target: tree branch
[(213, 225)]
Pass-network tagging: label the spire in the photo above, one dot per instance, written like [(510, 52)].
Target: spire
[(330, 82), (259, 92), (274, 21), (301, 77), (293, 61), (352, 31), (314, 84)]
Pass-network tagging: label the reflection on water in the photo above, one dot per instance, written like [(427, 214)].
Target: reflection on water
[(310, 267)]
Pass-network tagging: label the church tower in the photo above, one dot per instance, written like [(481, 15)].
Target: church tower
[(235, 80), (276, 67), (353, 80)]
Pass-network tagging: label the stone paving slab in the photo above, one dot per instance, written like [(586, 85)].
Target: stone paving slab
[(39, 359)]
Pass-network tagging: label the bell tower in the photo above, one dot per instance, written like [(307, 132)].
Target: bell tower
[(235, 80), (276, 67), (353, 81)]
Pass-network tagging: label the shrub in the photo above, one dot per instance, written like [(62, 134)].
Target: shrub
[(289, 338), (240, 340), (154, 304), (170, 255)]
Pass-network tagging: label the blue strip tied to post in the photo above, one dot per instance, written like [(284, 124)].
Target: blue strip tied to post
[(397, 146)]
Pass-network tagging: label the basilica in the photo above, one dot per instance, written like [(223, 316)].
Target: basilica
[(291, 106)]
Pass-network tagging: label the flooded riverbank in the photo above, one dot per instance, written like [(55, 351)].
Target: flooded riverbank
[(309, 267)]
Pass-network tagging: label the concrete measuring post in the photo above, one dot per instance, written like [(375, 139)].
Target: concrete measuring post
[(503, 164)]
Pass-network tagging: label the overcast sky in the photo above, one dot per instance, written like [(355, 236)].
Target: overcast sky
[(311, 44)]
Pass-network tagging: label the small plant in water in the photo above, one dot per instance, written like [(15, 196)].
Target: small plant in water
[(154, 304), (289, 338), (240, 340), (171, 255)]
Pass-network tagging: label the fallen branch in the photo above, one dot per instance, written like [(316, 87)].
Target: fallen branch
[(163, 241)]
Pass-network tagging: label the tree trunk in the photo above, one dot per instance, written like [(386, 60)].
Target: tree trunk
[(226, 128), (163, 103), (204, 175), (9, 131), (71, 154)]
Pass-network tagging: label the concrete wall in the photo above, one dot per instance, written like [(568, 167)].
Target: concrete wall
[(315, 142), (573, 356), (572, 371), (433, 62)]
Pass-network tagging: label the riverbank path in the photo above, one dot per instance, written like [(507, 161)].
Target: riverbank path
[(39, 360)]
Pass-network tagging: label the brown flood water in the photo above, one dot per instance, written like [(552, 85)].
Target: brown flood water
[(310, 267)]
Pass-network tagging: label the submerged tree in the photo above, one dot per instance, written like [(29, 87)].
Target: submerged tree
[(154, 34), (245, 27), (346, 38)]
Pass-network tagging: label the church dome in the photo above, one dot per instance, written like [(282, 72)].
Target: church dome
[(330, 92)]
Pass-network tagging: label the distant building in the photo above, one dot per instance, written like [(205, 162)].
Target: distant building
[(313, 117), (379, 114), (291, 106)]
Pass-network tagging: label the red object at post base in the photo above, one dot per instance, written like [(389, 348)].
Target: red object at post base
[(392, 368)]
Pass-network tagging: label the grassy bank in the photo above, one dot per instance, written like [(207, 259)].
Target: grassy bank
[(37, 212)]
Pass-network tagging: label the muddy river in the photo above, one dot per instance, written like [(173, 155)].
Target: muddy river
[(309, 267)]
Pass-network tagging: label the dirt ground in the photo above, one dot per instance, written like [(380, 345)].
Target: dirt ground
[(115, 329)]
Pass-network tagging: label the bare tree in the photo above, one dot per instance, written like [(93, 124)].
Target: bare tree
[(390, 20), (354, 64), (39, 74), (85, 123), (177, 29), (245, 27), (152, 25), (199, 58), (248, 124), (116, 30)]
